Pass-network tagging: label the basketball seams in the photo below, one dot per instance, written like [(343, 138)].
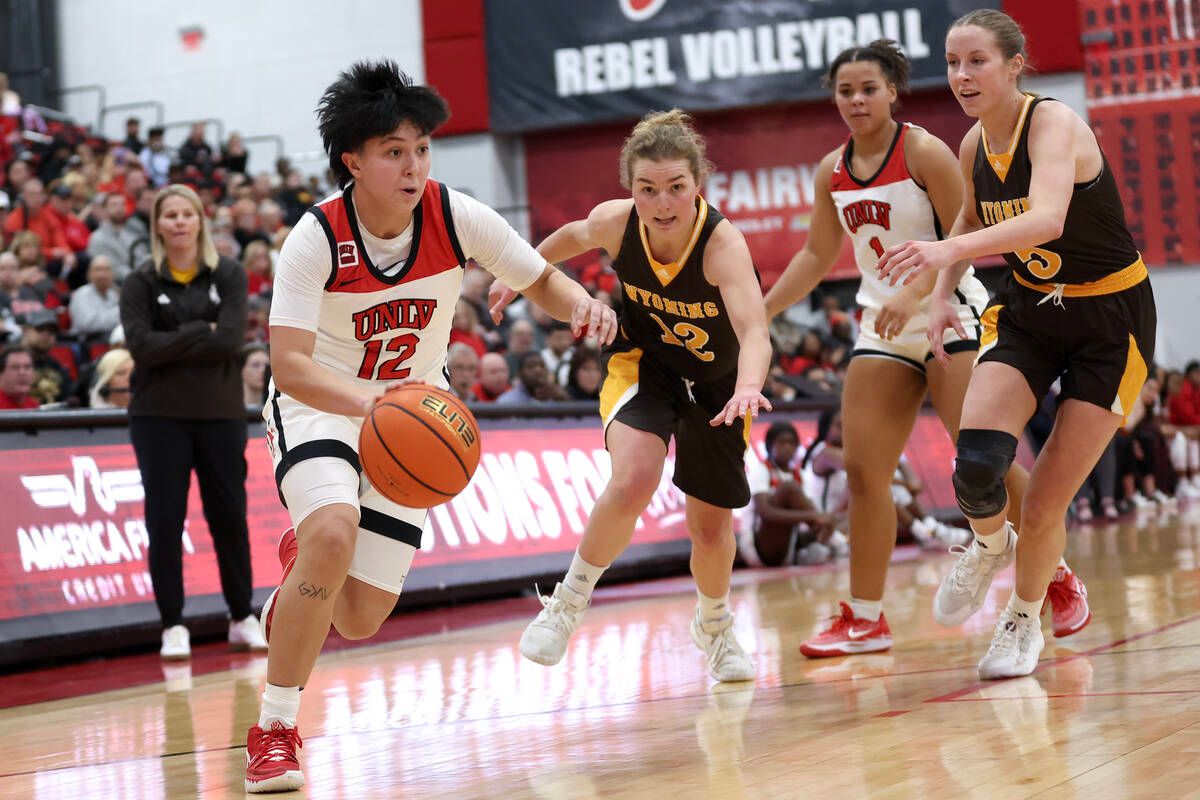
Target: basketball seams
[(434, 431), (383, 443)]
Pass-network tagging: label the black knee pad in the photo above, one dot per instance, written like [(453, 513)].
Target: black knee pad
[(983, 460)]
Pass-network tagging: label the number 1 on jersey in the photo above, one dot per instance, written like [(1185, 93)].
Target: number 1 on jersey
[(390, 370), (876, 245)]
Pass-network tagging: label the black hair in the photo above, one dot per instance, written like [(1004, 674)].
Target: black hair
[(1191, 365), (11, 350), (824, 422), (249, 349), (884, 52), (369, 100), (776, 430), (524, 358)]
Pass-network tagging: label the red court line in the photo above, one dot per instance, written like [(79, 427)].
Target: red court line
[(952, 696), (888, 714), (1070, 694)]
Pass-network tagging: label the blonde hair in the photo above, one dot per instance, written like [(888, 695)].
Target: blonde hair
[(207, 250), (254, 248), (108, 366), (23, 238), (663, 135)]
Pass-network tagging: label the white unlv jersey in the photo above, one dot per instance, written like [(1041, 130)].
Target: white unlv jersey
[(888, 208), (381, 309)]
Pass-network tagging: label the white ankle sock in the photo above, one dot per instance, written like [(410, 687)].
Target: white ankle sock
[(1030, 609), (279, 703), (866, 609), (582, 577), (993, 543), (713, 607)]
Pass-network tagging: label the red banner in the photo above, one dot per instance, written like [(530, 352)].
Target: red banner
[(74, 534), (765, 162)]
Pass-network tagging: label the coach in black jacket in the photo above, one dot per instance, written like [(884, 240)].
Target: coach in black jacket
[(184, 314)]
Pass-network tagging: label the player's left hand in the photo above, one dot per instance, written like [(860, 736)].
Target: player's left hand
[(595, 318), (743, 402), (499, 297), (912, 259), (896, 313)]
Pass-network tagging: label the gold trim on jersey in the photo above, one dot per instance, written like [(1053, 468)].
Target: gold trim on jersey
[(667, 272), (621, 378), (989, 334), (1002, 161), (1131, 381), (1119, 281)]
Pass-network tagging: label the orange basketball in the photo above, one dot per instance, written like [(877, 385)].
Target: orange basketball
[(419, 446)]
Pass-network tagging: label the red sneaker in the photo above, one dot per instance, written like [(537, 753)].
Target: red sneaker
[(1067, 598), (287, 557), (271, 761), (847, 635)]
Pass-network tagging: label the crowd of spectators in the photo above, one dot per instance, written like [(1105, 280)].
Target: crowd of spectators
[(75, 219)]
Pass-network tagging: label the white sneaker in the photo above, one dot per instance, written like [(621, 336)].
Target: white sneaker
[(1140, 501), (176, 644), (923, 532), (950, 536), (839, 544), (246, 634), (545, 640), (965, 587), (727, 661), (1016, 645), (813, 553)]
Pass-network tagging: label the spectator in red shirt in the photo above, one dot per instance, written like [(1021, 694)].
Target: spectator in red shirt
[(256, 259), (75, 232), (493, 378), (465, 327), (16, 379), (1184, 407), (33, 214)]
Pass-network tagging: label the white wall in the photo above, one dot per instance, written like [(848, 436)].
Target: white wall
[(490, 168), (1177, 297), (262, 65), (1067, 87)]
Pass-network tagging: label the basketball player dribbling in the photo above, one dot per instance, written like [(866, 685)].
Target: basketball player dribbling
[(1077, 306), (889, 183), (364, 295), (689, 361)]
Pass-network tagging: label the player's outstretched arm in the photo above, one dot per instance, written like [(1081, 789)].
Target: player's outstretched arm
[(600, 230), (809, 266), (727, 264), (565, 300)]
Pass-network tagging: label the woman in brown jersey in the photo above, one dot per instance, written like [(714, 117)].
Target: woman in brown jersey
[(689, 362), (1077, 308)]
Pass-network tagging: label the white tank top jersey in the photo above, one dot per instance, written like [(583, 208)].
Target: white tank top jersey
[(884, 210), (384, 313)]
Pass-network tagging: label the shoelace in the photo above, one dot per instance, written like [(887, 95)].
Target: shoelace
[(279, 743), (1055, 296), (723, 644), (555, 612), (842, 621), (967, 565), (1006, 638)]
